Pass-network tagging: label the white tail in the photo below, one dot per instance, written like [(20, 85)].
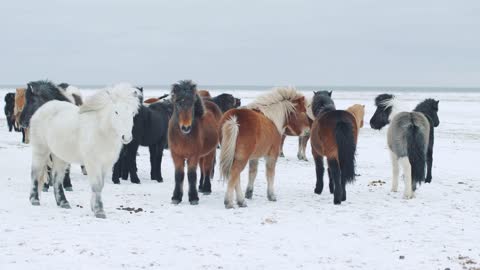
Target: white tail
[(230, 131)]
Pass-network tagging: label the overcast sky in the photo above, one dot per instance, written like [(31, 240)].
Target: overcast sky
[(275, 42)]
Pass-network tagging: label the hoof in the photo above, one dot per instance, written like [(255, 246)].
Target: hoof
[(176, 201), (393, 190), (282, 154), (242, 204), (337, 202), (318, 191), (68, 189), (135, 181), (206, 192), (45, 189), (249, 194), (408, 196), (35, 202), (100, 215), (272, 197), (116, 182), (228, 205), (160, 180), (65, 205), (194, 202)]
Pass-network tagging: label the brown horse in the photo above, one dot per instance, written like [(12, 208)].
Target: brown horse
[(358, 112), (17, 111), (250, 133), (154, 99), (334, 136), (299, 125), (204, 94), (192, 137)]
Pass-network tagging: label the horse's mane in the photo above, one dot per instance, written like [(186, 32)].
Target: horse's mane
[(48, 90), (426, 106), (120, 93), (388, 101), (277, 104)]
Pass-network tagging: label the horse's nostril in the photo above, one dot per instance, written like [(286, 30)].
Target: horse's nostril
[(186, 128)]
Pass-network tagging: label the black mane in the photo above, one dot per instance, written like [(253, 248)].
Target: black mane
[(47, 90), (185, 90), (322, 102)]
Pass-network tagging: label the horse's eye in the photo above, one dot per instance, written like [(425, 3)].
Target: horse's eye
[(116, 112)]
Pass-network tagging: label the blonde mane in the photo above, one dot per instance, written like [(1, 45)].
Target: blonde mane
[(120, 93), (358, 111), (277, 105)]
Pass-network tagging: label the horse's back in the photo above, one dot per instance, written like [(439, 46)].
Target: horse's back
[(323, 131), (257, 134), (400, 127)]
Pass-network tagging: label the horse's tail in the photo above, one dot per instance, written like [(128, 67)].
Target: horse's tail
[(416, 152), (230, 131), (346, 149)]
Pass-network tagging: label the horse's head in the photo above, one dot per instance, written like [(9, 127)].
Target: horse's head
[(429, 107), (322, 101), (225, 102), (381, 117), (125, 104), (187, 104), (297, 121), (238, 102)]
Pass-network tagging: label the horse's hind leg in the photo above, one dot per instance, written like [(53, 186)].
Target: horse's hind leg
[(407, 171), (270, 166), (58, 171), (252, 174), (395, 171), (38, 174), (67, 182), (202, 176), (237, 167), (320, 171), (302, 147), (336, 177)]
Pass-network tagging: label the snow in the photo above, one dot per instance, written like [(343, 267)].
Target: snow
[(374, 229)]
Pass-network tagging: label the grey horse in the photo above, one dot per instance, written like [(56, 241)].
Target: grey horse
[(410, 139)]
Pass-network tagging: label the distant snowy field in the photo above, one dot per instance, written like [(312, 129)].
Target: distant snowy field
[(374, 229)]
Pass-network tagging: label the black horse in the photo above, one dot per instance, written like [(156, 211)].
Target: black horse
[(226, 102), (37, 94), (150, 128), (9, 107)]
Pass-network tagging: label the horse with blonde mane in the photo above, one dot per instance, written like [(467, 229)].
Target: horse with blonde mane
[(91, 134), (252, 132)]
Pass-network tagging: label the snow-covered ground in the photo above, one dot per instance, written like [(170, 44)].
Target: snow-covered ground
[(374, 229)]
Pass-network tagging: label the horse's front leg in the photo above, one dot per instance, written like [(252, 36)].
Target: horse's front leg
[(116, 171), (39, 171), (192, 164), (132, 149), (179, 176), (96, 178), (281, 145), (428, 179), (270, 163)]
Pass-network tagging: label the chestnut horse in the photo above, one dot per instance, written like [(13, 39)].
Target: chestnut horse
[(358, 112), (334, 136), (192, 137), (250, 133), (154, 99), (17, 111)]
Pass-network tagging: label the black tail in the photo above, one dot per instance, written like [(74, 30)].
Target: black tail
[(346, 149), (416, 149)]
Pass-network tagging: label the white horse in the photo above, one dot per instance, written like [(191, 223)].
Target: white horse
[(91, 134)]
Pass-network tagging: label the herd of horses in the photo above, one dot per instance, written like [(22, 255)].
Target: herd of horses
[(103, 133)]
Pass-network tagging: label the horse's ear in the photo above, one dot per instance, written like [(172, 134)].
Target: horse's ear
[(315, 92), (330, 93), (363, 106)]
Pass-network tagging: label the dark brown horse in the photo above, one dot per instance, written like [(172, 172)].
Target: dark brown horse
[(253, 132), (192, 137), (334, 136)]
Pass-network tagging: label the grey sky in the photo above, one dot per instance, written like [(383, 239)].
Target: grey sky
[(366, 43)]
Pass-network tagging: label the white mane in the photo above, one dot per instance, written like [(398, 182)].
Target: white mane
[(395, 105), (120, 93), (276, 105)]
